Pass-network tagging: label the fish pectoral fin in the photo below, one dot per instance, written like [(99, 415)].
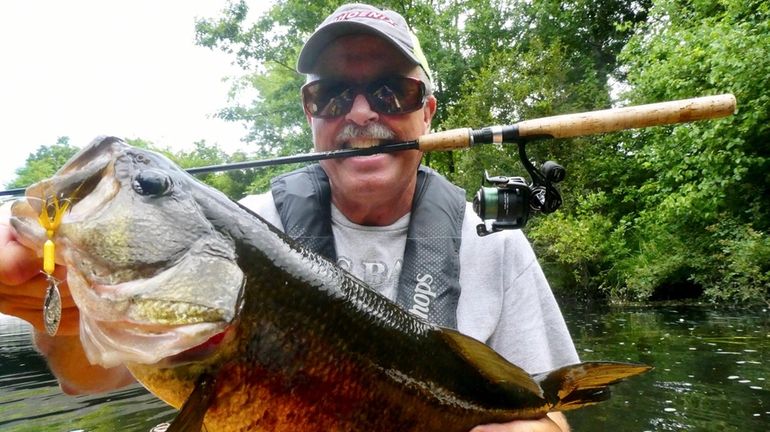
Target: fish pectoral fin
[(587, 383), (491, 365), (190, 417)]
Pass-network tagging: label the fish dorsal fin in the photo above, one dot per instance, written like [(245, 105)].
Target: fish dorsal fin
[(190, 418), (489, 363)]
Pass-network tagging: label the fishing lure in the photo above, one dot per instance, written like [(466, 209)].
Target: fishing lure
[(50, 218)]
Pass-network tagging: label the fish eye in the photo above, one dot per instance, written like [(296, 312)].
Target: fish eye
[(151, 183)]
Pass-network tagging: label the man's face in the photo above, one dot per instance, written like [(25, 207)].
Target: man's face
[(361, 59)]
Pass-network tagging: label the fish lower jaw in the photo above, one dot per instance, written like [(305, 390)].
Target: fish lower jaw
[(170, 313), (111, 343), (200, 353)]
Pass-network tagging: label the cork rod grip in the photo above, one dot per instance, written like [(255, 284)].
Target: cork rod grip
[(452, 139), (610, 120)]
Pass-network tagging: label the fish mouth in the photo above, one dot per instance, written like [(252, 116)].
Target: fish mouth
[(82, 186), (149, 320), (161, 296), (112, 343), (80, 177), (148, 331), (200, 352)]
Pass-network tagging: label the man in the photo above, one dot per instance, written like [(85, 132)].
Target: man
[(402, 228)]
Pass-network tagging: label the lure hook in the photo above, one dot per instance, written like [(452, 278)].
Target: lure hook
[(50, 218)]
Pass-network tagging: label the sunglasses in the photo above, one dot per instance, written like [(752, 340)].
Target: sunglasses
[(329, 98)]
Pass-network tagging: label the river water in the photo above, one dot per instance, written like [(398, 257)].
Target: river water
[(712, 368)]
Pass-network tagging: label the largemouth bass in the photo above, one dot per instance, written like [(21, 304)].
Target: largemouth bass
[(221, 315)]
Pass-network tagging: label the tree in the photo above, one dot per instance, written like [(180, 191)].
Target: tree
[(688, 210), (46, 160), (712, 178), (233, 183), (267, 52), (43, 163)]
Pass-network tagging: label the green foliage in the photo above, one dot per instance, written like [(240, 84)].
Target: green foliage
[(576, 245), (43, 163), (233, 183), (739, 269), (267, 50), (686, 204), (701, 216), (46, 160)]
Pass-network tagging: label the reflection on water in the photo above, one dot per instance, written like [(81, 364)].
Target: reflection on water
[(712, 368)]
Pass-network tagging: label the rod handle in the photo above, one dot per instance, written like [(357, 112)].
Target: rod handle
[(452, 139), (639, 116)]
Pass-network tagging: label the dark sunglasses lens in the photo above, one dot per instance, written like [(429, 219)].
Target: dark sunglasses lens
[(327, 98), (396, 95)]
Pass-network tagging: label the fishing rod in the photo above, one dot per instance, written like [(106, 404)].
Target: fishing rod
[(561, 126)]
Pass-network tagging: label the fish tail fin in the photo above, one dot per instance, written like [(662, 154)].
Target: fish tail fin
[(190, 417), (583, 384)]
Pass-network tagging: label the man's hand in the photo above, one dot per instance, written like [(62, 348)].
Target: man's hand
[(68, 362), (23, 284), (22, 291), (553, 422)]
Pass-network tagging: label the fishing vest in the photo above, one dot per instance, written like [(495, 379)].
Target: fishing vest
[(429, 284)]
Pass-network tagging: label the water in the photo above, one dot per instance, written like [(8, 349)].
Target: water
[(712, 373), (712, 370), (30, 399)]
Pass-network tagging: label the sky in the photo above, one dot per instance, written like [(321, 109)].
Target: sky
[(128, 68)]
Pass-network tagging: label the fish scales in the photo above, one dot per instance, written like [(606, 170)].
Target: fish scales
[(243, 330)]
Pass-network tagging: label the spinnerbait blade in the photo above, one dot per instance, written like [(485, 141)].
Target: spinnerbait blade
[(52, 307)]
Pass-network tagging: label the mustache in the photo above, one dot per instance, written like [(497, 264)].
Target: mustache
[(371, 130)]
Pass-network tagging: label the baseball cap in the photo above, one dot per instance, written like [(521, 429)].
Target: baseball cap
[(356, 18)]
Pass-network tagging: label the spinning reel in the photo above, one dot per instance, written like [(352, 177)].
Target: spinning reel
[(510, 201)]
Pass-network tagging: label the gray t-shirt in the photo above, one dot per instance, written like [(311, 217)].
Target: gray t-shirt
[(374, 254), (505, 300)]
